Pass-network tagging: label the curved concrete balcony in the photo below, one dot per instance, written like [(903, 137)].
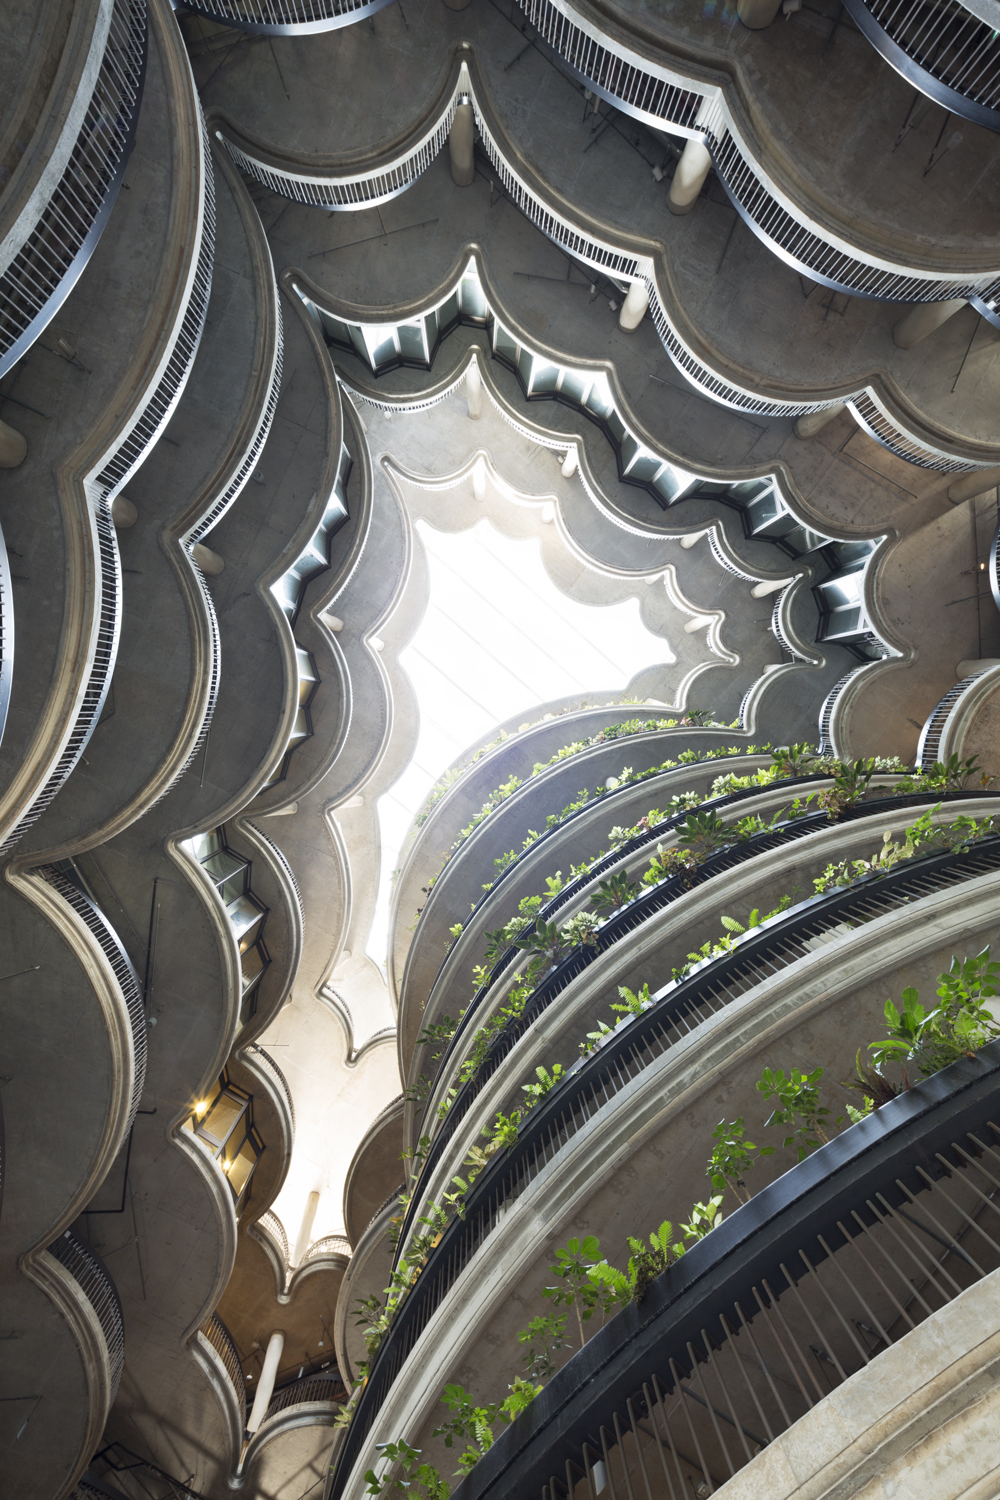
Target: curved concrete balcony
[(367, 1274), (962, 723), (374, 1170), (823, 1256), (107, 427), (286, 17), (908, 424), (81, 88), (832, 974), (947, 50)]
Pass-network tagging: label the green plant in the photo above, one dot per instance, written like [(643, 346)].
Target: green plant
[(704, 832), (545, 1336), (956, 1028), (577, 1288), (632, 1004), (414, 1473), (732, 1158), (851, 780), (613, 893), (704, 1218), (794, 760), (474, 1424), (797, 1107)]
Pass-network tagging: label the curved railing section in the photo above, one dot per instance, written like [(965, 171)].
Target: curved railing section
[(665, 99), (311, 1388), (346, 189), (943, 732), (221, 1340), (89, 1271), (277, 1076), (121, 966), (48, 257), (940, 46), (818, 1275), (635, 1044), (286, 17)]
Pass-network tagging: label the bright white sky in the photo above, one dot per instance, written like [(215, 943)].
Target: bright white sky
[(498, 639)]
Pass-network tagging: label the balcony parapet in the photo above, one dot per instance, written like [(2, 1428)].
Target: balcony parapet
[(948, 723), (285, 17), (626, 259), (62, 191), (220, 1359), (331, 1253)]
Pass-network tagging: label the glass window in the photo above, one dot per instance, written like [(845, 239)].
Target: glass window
[(245, 915), (253, 962), (599, 398), (448, 315), (222, 1117), (473, 300), (525, 365), (411, 342), (574, 385), (336, 331), (644, 467), (544, 377), (383, 348), (504, 345), (358, 342)]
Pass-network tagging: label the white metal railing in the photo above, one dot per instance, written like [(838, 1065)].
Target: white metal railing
[(40, 276), (330, 190), (286, 17), (944, 48)]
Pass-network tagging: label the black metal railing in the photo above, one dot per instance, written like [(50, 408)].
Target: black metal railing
[(320, 1387), (286, 17), (593, 1082), (943, 49), (42, 274), (89, 1271), (121, 965), (277, 1075), (821, 1272), (221, 1340)]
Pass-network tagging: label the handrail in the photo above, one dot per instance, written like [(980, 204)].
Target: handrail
[(121, 965), (286, 17), (222, 1342), (47, 266), (319, 1387), (624, 921), (635, 1043), (89, 1271), (271, 1225), (330, 1244), (933, 743), (906, 1185), (276, 1073), (943, 48)]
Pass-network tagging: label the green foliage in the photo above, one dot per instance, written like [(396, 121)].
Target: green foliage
[(851, 780), (704, 832), (732, 1158), (473, 1424), (613, 893), (630, 1003), (545, 1335), (955, 1028), (794, 760), (438, 1035), (797, 1107), (704, 1218), (734, 931), (415, 1478)]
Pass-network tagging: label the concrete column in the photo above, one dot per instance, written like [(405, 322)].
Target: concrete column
[(13, 447), (461, 145), (815, 421), (634, 307), (312, 1202), (690, 541), (973, 484), (474, 388), (770, 586), (568, 466), (698, 622), (208, 561), (923, 319), (757, 13), (265, 1386), (123, 512), (689, 178), (479, 480)]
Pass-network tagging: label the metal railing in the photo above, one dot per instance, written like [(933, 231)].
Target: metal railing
[(806, 1285), (663, 98), (271, 1225), (121, 965), (593, 1083), (321, 1387), (88, 1270), (41, 275), (940, 46), (330, 1244), (221, 1340), (285, 17), (929, 744), (832, 701), (272, 1067)]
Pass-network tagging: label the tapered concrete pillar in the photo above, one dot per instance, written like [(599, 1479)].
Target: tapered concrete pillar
[(265, 1387), (479, 480), (13, 447), (757, 13), (698, 622), (634, 307), (923, 319), (462, 146), (568, 466), (815, 421), (208, 561), (770, 586), (304, 1239), (474, 388), (689, 541), (123, 512), (689, 178), (973, 484)]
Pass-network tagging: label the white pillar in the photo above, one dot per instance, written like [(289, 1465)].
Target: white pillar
[(312, 1202), (689, 541), (973, 484), (461, 146), (698, 622), (13, 447), (757, 13), (123, 512), (473, 388), (923, 319), (815, 421), (568, 466), (265, 1387), (689, 178), (770, 586), (208, 561), (634, 307), (479, 480)]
